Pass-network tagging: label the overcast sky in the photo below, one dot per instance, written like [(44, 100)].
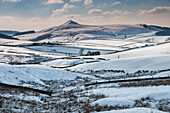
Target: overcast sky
[(39, 14)]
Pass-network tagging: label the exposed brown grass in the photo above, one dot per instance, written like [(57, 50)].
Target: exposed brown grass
[(145, 83), (162, 104)]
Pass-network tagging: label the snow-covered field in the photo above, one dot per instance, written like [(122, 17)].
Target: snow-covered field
[(135, 110), (147, 58), (62, 60), (127, 96), (11, 74)]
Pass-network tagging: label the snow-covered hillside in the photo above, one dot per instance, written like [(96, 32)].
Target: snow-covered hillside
[(73, 31), (8, 32), (34, 73), (147, 58), (77, 68)]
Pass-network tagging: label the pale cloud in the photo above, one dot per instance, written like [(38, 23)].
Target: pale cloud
[(35, 19), (95, 11), (54, 2), (18, 23), (89, 6), (116, 3), (67, 6), (112, 12), (127, 12), (72, 16), (156, 10), (75, 17), (87, 2), (116, 12), (11, 0), (104, 4), (97, 20), (6, 18), (58, 12), (75, 0)]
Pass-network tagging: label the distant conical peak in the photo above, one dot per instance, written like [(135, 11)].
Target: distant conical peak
[(71, 22)]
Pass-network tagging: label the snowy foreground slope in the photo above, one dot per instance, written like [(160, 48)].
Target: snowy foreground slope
[(34, 73), (74, 68), (135, 110), (119, 97)]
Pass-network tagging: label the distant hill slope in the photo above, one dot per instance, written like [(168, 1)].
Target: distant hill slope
[(8, 32), (162, 31), (3, 36), (73, 31), (24, 33), (72, 28)]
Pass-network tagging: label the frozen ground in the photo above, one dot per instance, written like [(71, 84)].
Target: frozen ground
[(11, 74), (127, 96), (55, 62), (135, 110), (148, 58)]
